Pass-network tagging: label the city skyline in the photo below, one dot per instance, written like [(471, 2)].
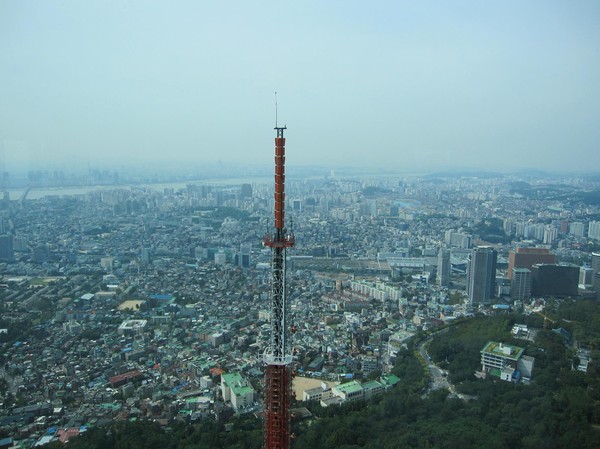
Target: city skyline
[(407, 87), (157, 303)]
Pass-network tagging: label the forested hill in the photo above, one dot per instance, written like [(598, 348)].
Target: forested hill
[(560, 408)]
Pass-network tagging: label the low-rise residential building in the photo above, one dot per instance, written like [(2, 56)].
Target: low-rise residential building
[(369, 364), (585, 357)]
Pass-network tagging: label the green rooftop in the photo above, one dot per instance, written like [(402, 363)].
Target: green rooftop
[(503, 350), (111, 406), (390, 379), (241, 390), (231, 379), (371, 385), (239, 386), (196, 400), (350, 387)]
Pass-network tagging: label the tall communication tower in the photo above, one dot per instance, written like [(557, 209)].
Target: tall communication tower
[(278, 356)]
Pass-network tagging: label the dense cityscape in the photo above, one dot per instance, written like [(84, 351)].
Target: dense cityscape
[(132, 302), (417, 268)]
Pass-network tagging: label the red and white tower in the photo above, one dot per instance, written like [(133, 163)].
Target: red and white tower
[(278, 355)]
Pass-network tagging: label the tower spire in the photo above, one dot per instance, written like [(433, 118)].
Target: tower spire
[(278, 355)]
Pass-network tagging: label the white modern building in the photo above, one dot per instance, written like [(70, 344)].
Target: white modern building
[(506, 361), (577, 229), (594, 230), (237, 390), (132, 327)]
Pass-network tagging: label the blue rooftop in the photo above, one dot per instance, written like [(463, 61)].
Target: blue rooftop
[(167, 297)]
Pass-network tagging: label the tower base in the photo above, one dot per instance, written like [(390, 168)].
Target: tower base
[(277, 407)]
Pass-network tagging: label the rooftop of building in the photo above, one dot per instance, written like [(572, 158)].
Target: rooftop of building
[(241, 390), (390, 379), (230, 378), (530, 250), (315, 390), (130, 324), (371, 385), (503, 350), (350, 387)]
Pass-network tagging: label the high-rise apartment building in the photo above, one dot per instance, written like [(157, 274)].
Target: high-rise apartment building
[(481, 275), (457, 239), (220, 258), (550, 235), (594, 230), (577, 229)]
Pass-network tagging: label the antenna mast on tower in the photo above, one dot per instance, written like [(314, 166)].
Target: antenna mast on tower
[(278, 355)]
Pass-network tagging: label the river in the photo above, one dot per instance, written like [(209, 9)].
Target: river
[(36, 193)]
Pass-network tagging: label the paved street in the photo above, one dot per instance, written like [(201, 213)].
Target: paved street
[(439, 379)]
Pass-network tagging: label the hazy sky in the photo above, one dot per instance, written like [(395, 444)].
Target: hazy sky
[(400, 84)]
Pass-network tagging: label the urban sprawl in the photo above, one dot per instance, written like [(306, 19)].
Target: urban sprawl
[(139, 303)]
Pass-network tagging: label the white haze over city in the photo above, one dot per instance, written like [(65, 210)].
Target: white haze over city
[(401, 85)]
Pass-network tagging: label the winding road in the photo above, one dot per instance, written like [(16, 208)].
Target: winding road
[(439, 379)]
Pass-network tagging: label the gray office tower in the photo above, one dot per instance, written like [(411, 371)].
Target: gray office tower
[(481, 275), (246, 191), (6, 248), (244, 256), (520, 287), (596, 285), (554, 280), (443, 268), (596, 275), (596, 262)]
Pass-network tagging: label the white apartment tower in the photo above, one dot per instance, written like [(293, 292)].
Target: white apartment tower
[(594, 230)]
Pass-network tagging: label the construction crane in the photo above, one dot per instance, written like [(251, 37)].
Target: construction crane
[(546, 319), (278, 355)]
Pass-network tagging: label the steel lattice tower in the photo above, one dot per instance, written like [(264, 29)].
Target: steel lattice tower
[(278, 355)]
